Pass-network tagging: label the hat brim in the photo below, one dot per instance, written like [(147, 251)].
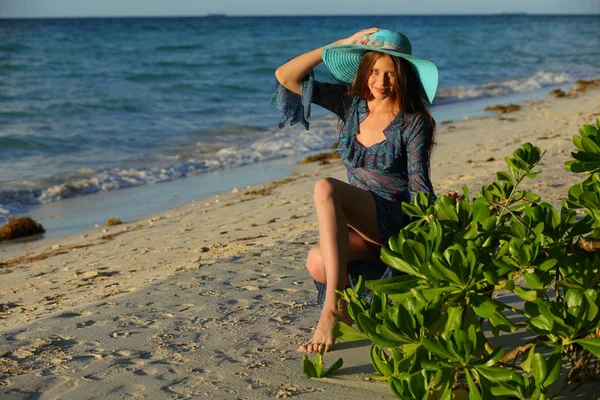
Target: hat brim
[(343, 61)]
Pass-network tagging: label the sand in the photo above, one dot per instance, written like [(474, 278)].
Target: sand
[(212, 298)]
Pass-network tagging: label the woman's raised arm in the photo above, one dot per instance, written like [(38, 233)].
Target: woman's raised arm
[(291, 73)]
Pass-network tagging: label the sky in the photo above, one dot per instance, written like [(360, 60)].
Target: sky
[(97, 8)]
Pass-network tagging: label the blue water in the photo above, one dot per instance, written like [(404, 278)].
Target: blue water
[(96, 105)]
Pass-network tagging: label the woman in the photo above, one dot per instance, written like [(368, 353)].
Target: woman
[(386, 134)]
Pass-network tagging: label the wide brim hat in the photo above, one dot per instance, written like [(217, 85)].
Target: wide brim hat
[(343, 61)]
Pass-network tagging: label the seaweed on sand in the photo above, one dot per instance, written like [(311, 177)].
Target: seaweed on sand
[(19, 228)]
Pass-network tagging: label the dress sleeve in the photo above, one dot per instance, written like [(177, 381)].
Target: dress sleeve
[(296, 108), (417, 141)]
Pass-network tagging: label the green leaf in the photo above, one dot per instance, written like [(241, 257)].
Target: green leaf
[(526, 364), (484, 306), (498, 320), (592, 345), (574, 166), (465, 190), (314, 369), (593, 306), (531, 196), (533, 281), (446, 213), (380, 361), (384, 341), (396, 387), (539, 368), (504, 391), (440, 263), (437, 349), (391, 335), (548, 264), (554, 368), (587, 130), (527, 295), (481, 210), (503, 176), (514, 170), (573, 298), (417, 385), (454, 315), (412, 210), (347, 333), (397, 284), (589, 145), (582, 156), (494, 357), (366, 323), (473, 391), (319, 364), (541, 322), (336, 365), (394, 261), (444, 377), (472, 233), (308, 368), (490, 277), (498, 374)]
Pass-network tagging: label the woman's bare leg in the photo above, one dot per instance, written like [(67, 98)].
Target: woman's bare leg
[(338, 206), (359, 249)]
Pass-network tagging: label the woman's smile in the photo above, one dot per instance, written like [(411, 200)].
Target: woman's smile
[(381, 90)]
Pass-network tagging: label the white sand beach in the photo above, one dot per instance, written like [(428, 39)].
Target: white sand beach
[(212, 298)]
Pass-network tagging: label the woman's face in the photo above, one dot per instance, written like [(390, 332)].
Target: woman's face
[(383, 78)]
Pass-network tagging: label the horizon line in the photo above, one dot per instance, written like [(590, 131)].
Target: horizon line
[(225, 15)]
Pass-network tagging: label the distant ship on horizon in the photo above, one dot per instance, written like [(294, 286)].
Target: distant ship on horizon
[(214, 15), (500, 12)]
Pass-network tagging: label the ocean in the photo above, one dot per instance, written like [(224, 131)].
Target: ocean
[(93, 106)]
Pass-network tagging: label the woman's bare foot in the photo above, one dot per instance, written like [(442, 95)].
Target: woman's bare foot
[(322, 339)]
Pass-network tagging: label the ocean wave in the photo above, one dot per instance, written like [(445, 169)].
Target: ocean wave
[(181, 47), (262, 71), (182, 64), (12, 47), (269, 145), (537, 81), (12, 143), (11, 66), (149, 77), (179, 88)]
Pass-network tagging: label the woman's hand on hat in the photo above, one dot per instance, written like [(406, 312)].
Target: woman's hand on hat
[(358, 37)]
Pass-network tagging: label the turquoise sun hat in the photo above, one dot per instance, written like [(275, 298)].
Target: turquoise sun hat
[(342, 61)]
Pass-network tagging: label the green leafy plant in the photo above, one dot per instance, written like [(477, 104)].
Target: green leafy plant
[(427, 325), (315, 369)]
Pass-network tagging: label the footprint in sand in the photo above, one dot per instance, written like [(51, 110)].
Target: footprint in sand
[(146, 371), (85, 324), (74, 314), (123, 334)]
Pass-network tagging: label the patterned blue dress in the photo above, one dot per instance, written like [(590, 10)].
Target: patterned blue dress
[(393, 171)]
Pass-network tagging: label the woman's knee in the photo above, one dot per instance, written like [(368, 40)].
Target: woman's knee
[(324, 189), (314, 264)]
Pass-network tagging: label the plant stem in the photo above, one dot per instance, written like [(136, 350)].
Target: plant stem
[(505, 207), (519, 350)]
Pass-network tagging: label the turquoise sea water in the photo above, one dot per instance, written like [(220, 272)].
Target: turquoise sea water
[(97, 105)]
